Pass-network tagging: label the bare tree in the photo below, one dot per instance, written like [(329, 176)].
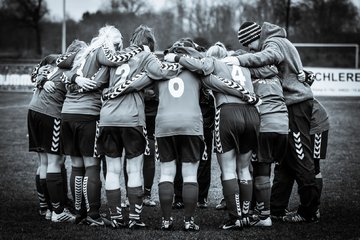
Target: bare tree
[(129, 6), (29, 12)]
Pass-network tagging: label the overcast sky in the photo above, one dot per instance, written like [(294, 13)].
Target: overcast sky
[(76, 8)]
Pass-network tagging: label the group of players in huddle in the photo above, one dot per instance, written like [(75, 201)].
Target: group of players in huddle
[(92, 104)]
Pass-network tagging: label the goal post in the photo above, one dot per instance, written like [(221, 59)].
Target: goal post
[(347, 45)]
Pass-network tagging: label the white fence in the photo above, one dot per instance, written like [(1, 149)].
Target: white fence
[(329, 81), (15, 80), (336, 81)]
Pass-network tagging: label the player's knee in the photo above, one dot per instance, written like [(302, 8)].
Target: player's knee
[(262, 182)]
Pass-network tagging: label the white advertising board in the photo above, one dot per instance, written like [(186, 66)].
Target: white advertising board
[(336, 81)]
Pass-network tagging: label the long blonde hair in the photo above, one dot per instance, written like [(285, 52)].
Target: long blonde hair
[(108, 36)]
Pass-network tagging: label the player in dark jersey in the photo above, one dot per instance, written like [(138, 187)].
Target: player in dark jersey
[(319, 129), (236, 130), (44, 134), (272, 47)]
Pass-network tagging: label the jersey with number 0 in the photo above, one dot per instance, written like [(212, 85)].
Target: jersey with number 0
[(210, 65), (128, 109), (179, 110)]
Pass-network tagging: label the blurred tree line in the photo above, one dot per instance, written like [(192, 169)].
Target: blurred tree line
[(27, 32)]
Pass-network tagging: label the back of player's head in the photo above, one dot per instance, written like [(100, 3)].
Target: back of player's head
[(110, 37), (143, 35), (76, 45), (248, 32), (218, 50)]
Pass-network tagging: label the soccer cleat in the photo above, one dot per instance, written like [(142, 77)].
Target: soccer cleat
[(221, 205), (232, 224), (48, 214), (64, 216), (202, 204), (178, 205), (190, 225), (149, 202), (125, 204), (248, 220), (42, 211), (95, 222), (166, 225), (117, 220), (294, 217), (262, 222), (135, 224)]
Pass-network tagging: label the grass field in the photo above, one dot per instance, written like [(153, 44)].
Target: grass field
[(340, 209)]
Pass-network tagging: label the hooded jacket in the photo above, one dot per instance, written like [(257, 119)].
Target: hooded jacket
[(276, 49)]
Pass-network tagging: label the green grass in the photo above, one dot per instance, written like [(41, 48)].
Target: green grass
[(340, 209)]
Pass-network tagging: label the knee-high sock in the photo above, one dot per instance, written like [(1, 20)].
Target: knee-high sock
[(166, 194), (92, 190), (190, 197), (319, 185), (246, 190), (232, 197), (149, 173), (40, 193), (65, 181), (135, 195), (114, 200), (76, 186), (45, 190), (54, 182), (262, 193)]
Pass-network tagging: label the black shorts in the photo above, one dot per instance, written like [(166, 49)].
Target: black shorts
[(271, 147), (185, 148), (319, 142), (79, 137), (44, 133), (112, 141), (236, 127)]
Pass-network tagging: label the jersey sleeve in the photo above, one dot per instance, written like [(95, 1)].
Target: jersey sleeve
[(158, 70), (203, 66), (112, 59), (271, 54), (136, 83), (230, 87), (66, 60)]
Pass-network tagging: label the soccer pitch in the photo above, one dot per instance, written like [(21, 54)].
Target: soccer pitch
[(340, 205)]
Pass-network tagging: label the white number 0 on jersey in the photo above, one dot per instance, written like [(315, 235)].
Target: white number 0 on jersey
[(176, 87), (237, 75)]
